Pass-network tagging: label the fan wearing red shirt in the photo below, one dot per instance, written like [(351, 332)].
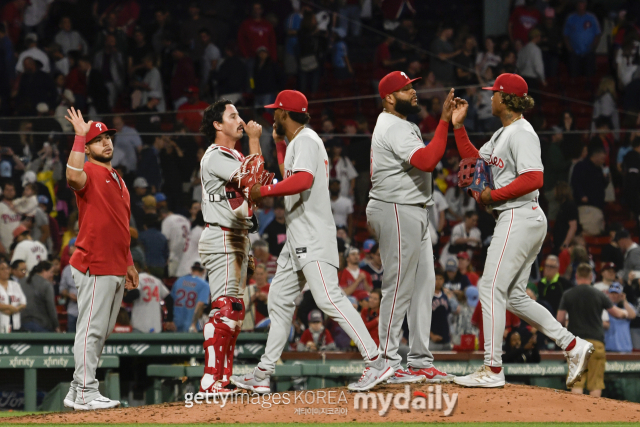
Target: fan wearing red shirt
[(101, 265), (191, 112), (370, 315), (522, 20), (316, 337), (353, 280), (255, 32)]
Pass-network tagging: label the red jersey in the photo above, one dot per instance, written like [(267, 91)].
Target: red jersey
[(191, 115), (253, 34), (512, 321), (473, 278), (347, 279), (104, 211), (324, 338), (370, 319), (522, 21)]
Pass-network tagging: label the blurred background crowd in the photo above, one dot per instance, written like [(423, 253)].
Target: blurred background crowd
[(148, 69)]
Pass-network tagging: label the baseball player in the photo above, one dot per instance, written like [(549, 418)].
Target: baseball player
[(27, 249), (513, 153), (224, 244), (402, 190), (190, 297), (310, 253), (101, 264), (146, 312)]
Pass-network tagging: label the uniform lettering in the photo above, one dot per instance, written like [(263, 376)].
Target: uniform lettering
[(496, 161)]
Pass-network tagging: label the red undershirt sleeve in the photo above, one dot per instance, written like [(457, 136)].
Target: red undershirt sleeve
[(465, 147), (524, 184), (295, 184), (426, 159), (281, 150)]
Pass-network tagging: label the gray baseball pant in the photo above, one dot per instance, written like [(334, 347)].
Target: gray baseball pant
[(517, 239), (99, 300), (323, 284), (408, 282)]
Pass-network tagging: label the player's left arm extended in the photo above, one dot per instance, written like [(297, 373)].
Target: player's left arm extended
[(426, 158), (523, 184)]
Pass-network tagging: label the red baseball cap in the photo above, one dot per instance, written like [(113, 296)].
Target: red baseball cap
[(462, 255), (192, 89), (19, 230), (510, 83), (290, 100), (98, 128), (393, 82)]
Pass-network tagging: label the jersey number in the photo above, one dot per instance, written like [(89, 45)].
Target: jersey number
[(189, 299), (151, 295)]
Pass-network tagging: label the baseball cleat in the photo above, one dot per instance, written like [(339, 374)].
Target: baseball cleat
[(99, 402), (253, 382), (432, 375), (405, 377), (221, 388), (578, 360), (375, 373), (484, 377), (68, 403)]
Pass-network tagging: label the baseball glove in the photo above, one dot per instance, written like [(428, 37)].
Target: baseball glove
[(474, 176), (251, 173)]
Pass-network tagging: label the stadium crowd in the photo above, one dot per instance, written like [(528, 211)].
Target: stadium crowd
[(148, 69)]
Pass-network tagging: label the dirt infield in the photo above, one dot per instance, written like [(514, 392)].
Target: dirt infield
[(514, 403)]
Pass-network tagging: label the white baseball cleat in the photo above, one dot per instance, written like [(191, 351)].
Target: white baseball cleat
[(578, 359), (68, 403), (483, 377), (253, 382), (374, 373), (99, 402)]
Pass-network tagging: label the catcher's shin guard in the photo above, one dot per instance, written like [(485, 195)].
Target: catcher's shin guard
[(228, 369)]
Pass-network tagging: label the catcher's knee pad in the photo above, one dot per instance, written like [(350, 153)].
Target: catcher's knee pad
[(220, 333), (231, 308)]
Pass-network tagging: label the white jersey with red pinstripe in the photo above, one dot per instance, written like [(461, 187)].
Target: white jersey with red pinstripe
[(229, 209), (512, 151)]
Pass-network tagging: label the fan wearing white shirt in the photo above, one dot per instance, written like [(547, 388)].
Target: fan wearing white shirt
[(27, 249), (12, 300), (177, 230), (341, 207)]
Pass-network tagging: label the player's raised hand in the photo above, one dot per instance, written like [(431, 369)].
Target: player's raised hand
[(447, 107), (79, 125), (253, 129), (461, 107)]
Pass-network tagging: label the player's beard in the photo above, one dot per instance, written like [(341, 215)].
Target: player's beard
[(405, 108), (280, 129), (103, 158)]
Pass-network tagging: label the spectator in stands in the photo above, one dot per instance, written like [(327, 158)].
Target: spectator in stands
[(262, 256), (455, 281), (530, 63), (69, 39), (341, 168), (572, 145), (69, 291), (40, 314), (442, 64), (488, 58), (255, 32), (176, 229), (139, 50), (10, 218), (96, 94), (550, 42), (466, 61), (190, 296), (566, 225), (465, 268), (353, 280), (13, 16), (609, 277), (522, 20), (35, 86), (516, 353), (182, 77), (232, 75), (464, 237), (552, 285), (309, 39), (155, 246), (611, 252), (605, 106), (18, 270), (265, 214), (292, 26), (111, 63), (618, 336), (373, 266), (370, 314), (190, 28), (588, 182), (626, 60), (631, 251), (581, 37), (209, 61), (459, 203), (512, 322), (27, 249), (556, 166), (341, 207), (340, 59), (440, 335), (584, 304), (126, 146), (258, 294), (631, 173), (276, 232), (146, 310), (268, 78), (463, 332), (33, 52), (385, 62), (150, 87), (12, 300), (316, 337), (110, 28)]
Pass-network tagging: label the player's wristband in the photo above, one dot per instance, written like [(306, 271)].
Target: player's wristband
[(79, 143), (281, 150), (75, 169)]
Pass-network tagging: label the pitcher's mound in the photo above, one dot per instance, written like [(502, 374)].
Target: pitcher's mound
[(513, 403)]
